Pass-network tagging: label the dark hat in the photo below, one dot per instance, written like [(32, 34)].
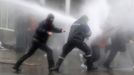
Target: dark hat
[(50, 15)]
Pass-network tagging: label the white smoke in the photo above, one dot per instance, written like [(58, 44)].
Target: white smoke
[(37, 9), (97, 11)]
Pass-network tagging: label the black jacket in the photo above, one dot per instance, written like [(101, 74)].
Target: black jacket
[(119, 41), (79, 32), (41, 31)]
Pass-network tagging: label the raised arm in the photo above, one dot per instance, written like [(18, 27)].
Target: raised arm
[(56, 30)]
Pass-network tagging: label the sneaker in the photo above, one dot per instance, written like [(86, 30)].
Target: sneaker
[(17, 70), (54, 69)]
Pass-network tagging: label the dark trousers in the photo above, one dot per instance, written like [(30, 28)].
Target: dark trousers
[(75, 43), (95, 52), (35, 45), (95, 56), (67, 48), (111, 56)]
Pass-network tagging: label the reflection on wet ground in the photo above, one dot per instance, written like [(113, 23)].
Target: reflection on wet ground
[(37, 65)]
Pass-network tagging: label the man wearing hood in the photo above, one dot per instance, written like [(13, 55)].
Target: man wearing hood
[(119, 39), (78, 32), (41, 35)]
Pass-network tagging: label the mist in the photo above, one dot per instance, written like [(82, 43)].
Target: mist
[(106, 18)]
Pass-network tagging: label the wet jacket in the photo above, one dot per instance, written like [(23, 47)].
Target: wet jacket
[(41, 31), (79, 32)]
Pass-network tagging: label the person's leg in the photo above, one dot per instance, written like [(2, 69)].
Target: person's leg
[(50, 59), (31, 51), (95, 53), (88, 54), (110, 58), (83, 46), (67, 48)]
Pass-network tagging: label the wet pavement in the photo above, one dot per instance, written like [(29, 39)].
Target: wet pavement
[(37, 65)]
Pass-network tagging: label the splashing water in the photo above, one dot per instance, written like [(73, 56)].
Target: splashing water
[(41, 11), (97, 11)]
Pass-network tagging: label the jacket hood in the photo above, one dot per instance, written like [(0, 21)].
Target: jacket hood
[(82, 20)]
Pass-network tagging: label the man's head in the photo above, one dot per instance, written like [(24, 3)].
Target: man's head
[(50, 17), (82, 20)]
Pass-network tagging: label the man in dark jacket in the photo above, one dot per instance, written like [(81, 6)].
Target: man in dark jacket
[(78, 32), (42, 33), (118, 44)]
